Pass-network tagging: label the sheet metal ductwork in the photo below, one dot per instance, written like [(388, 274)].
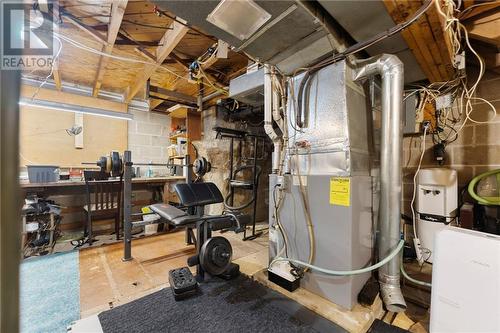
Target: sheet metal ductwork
[(329, 142), (390, 68), (331, 147), (289, 27)]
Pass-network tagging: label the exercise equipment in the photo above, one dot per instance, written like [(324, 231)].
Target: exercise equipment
[(215, 255), (113, 164), (182, 283), (238, 179), (201, 166)]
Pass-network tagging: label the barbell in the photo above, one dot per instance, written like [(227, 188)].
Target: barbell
[(113, 164)]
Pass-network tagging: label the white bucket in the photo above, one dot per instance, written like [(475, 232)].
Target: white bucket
[(150, 229)]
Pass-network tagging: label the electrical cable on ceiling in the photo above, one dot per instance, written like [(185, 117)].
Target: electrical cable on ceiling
[(133, 60), (156, 9), (456, 87), (54, 60), (468, 9), (360, 46)]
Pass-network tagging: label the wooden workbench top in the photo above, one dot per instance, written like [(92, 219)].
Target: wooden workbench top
[(70, 183)]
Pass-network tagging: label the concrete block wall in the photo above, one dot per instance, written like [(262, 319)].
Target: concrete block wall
[(148, 139), (476, 150)]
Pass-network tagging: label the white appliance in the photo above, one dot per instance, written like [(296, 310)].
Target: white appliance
[(436, 207), (465, 282)]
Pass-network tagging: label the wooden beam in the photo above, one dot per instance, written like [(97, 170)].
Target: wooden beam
[(209, 62), (57, 75), (117, 11), (89, 30), (433, 39), (212, 59), (168, 42), (153, 103), (445, 48), (482, 8), (420, 38), (55, 69), (172, 94), (145, 53)]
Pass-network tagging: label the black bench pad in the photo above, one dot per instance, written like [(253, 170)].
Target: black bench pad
[(198, 194), (173, 215)]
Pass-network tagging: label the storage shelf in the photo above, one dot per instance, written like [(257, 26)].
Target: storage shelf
[(182, 135)]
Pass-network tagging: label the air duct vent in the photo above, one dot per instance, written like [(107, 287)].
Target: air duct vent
[(240, 18)]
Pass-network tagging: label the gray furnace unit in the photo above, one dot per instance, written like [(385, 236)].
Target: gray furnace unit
[(330, 153)]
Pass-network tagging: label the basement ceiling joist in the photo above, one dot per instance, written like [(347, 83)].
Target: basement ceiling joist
[(425, 38), (119, 28)]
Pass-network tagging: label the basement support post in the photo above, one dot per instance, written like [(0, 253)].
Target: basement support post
[(10, 203), (127, 198)]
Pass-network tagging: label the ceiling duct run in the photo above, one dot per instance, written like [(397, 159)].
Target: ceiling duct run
[(288, 28)]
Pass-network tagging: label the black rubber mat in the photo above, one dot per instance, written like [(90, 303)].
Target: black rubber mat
[(379, 326), (240, 305)]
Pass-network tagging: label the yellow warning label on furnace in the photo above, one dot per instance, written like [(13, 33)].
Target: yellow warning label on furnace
[(340, 191)]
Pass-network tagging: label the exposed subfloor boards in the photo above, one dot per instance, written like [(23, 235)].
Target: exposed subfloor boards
[(106, 281)]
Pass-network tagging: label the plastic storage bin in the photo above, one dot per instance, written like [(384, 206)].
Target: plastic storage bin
[(43, 173)]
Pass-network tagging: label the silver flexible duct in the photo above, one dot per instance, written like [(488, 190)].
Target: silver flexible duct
[(391, 70)]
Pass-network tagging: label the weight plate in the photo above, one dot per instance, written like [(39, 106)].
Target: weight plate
[(102, 163), (116, 164), (108, 164), (201, 166), (215, 255)]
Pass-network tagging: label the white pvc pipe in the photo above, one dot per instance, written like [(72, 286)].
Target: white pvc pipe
[(268, 119)]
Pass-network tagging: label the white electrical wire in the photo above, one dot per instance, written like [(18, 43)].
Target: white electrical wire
[(54, 60), (133, 60), (350, 272), (422, 146)]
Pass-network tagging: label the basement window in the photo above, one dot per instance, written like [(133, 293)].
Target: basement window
[(241, 18)]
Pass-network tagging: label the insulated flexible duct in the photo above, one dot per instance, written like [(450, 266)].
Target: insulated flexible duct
[(390, 68)]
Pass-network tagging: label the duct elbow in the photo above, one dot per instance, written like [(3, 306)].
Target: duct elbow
[(384, 64), (391, 293), (271, 133)]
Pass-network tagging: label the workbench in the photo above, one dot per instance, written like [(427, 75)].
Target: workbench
[(69, 187), (160, 188)]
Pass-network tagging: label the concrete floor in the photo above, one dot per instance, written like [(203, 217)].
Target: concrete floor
[(106, 281)]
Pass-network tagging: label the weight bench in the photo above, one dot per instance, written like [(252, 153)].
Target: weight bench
[(195, 196)]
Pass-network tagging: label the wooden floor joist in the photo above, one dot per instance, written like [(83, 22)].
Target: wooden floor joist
[(425, 38), (169, 41), (117, 12)]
